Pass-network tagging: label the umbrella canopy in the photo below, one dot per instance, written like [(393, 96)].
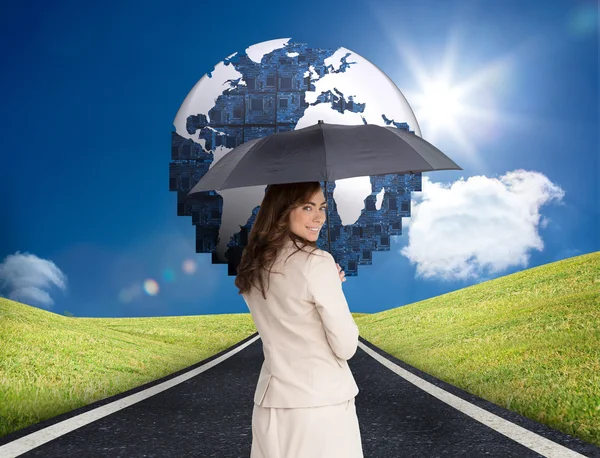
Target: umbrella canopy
[(323, 152)]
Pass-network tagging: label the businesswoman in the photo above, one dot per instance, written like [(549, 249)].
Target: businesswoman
[(304, 400)]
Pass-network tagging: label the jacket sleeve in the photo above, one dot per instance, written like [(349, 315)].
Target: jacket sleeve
[(325, 290)]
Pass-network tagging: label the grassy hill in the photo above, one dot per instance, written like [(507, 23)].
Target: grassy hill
[(529, 341)]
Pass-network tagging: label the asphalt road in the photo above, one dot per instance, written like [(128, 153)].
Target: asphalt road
[(402, 412)]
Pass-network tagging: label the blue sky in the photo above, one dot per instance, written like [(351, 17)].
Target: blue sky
[(90, 92)]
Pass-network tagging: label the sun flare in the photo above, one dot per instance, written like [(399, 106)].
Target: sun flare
[(439, 104), (463, 110)]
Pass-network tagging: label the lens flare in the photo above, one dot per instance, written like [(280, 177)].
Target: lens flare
[(130, 293), (151, 287), (169, 275), (189, 266), (125, 295), (583, 20)]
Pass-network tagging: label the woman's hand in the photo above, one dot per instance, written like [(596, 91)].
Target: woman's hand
[(341, 272)]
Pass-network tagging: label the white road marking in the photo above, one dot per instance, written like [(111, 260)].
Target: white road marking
[(35, 439), (529, 439)]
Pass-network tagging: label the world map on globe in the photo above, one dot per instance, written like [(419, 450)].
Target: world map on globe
[(277, 86)]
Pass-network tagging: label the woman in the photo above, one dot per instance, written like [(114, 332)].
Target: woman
[(304, 400)]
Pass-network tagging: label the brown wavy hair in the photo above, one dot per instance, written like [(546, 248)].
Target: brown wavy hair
[(271, 230)]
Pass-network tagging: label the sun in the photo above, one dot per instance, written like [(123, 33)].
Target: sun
[(464, 111), (439, 104)]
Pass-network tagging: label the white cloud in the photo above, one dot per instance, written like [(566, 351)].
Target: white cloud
[(25, 278), (477, 227)]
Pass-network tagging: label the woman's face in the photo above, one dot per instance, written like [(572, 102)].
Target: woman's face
[(309, 216)]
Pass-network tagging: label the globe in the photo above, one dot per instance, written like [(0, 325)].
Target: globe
[(276, 86)]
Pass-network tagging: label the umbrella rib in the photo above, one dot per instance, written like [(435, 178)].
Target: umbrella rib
[(392, 131), (326, 190), (325, 151), (244, 158), (426, 147)]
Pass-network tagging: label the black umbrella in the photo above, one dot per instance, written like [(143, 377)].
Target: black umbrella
[(323, 152)]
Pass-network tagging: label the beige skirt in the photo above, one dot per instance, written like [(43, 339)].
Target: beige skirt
[(307, 432)]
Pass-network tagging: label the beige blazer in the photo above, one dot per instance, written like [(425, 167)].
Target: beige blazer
[(307, 333)]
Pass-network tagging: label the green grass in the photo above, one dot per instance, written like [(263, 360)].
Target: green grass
[(51, 364), (529, 342)]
